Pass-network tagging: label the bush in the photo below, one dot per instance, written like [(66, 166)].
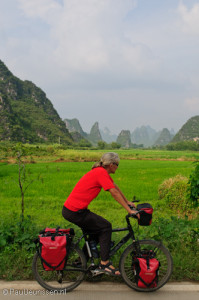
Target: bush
[(17, 234), (193, 187), (183, 145), (17, 247), (181, 237), (174, 192)]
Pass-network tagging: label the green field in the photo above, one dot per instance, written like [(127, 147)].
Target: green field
[(53, 153), (140, 173), (45, 197)]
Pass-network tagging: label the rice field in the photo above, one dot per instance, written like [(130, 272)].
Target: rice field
[(45, 196)]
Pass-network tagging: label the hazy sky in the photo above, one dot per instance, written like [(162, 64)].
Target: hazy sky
[(123, 63)]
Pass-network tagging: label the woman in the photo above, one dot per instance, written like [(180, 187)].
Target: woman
[(75, 208)]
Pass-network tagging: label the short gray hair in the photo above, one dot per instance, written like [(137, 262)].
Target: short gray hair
[(107, 159)]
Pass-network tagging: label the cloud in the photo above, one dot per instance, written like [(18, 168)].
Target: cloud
[(192, 104), (93, 57), (90, 36), (40, 9), (87, 43), (189, 18)]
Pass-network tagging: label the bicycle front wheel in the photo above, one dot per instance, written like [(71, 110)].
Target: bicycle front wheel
[(161, 254), (64, 280)]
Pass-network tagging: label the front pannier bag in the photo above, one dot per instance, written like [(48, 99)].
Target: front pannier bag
[(53, 247), (146, 271), (146, 214)]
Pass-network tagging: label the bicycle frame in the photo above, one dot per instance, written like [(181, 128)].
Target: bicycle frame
[(123, 241)]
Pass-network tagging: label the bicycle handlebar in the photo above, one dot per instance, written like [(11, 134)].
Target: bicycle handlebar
[(131, 207), (135, 200), (134, 215)]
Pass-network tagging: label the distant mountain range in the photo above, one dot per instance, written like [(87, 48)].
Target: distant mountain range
[(78, 134), (144, 136), (107, 136), (27, 115)]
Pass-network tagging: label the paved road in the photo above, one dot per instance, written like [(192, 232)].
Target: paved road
[(98, 291)]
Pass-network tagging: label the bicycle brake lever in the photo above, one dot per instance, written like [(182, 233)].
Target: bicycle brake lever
[(135, 200), (132, 207), (134, 215)]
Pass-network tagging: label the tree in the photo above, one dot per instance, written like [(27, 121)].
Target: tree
[(84, 143), (115, 145), (24, 176), (101, 144)]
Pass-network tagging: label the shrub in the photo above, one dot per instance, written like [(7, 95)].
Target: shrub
[(180, 235), (174, 192), (17, 247), (15, 234), (193, 187)]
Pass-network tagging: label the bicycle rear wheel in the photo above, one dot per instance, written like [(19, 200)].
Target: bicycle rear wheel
[(161, 254), (64, 280)]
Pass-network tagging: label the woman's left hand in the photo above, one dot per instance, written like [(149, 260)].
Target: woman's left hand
[(131, 204)]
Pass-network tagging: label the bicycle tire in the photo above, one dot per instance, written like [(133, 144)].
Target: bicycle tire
[(65, 280), (162, 254)]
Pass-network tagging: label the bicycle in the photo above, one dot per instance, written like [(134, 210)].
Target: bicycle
[(76, 268)]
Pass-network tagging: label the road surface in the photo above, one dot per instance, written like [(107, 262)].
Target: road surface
[(28, 290)]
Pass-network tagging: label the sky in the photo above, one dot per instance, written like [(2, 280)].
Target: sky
[(122, 63)]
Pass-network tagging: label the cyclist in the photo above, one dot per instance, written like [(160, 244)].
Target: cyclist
[(76, 211)]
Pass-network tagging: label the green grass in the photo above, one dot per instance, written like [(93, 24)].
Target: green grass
[(45, 197), (53, 153), (130, 154)]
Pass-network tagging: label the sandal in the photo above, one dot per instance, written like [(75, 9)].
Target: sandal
[(110, 271)]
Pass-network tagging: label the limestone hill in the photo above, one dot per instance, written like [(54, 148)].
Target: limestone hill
[(189, 131), (26, 114)]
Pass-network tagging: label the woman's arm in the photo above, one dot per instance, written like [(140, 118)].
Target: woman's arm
[(128, 202), (118, 196)]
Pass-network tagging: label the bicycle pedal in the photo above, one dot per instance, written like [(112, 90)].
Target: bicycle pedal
[(59, 277), (96, 272)]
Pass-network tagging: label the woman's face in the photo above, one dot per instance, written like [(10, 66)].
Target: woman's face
[(112, 168)]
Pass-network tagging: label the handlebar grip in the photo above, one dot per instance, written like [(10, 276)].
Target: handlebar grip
[(131, 207), (134, 215)]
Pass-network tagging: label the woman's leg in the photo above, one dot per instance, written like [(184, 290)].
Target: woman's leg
[(96, 225), (92, 224)]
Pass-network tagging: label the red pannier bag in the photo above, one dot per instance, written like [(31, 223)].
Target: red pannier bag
[(54, 245), (147, 271), (146, 214)]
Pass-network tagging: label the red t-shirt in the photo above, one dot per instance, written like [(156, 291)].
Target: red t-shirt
[(88, 187)]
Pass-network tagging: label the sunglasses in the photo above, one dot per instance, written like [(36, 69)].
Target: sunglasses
[(116, 164)]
